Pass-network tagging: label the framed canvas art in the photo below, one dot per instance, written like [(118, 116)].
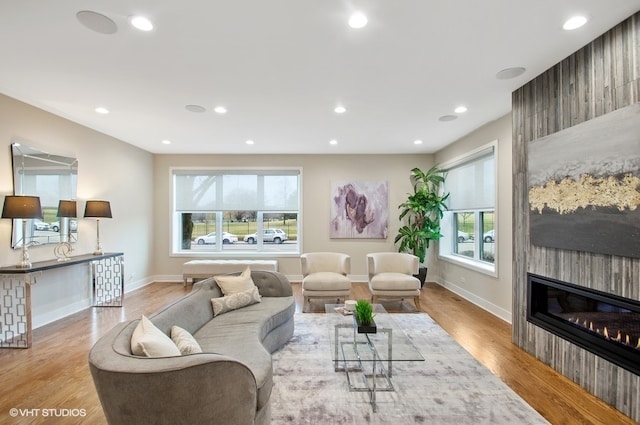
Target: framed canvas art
[(359, 209)]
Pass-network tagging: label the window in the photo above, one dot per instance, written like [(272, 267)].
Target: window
[(468, 227), (236, 212)]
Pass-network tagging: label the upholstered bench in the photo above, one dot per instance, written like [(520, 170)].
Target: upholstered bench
[(202, 269)]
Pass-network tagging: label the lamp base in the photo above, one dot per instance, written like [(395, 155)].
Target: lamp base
[(98, 252), (24, 264)]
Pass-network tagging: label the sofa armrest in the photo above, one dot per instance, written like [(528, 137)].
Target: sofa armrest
[(198, 388)]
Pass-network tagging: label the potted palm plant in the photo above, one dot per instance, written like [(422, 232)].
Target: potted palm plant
[(421, 212)]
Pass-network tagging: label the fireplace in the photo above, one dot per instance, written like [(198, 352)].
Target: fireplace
[(605, 324)]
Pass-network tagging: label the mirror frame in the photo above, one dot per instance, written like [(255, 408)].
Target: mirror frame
[(31, 168)]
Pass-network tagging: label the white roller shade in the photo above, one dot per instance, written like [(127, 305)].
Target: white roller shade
[(472, 183), (199, 191)]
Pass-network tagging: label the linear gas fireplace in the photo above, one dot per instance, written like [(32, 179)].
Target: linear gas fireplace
[(605, 324)]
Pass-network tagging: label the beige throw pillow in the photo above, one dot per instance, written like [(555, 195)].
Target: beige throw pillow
[(234, 284), (149, 341), (186, 343), (235, 301)]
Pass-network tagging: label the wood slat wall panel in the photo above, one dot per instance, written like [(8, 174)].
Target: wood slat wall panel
[(601, 77)]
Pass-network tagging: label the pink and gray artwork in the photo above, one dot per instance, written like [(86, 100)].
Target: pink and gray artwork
[(359, 209)]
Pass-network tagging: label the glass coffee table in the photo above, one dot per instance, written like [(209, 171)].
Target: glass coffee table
[(367, 358)]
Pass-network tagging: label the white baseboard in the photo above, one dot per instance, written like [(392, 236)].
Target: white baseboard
[(473, 298), (53, 315)]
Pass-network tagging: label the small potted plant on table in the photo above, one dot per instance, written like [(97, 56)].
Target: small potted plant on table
[(364, 317)]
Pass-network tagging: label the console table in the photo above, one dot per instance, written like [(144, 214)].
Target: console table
[(107, 281)]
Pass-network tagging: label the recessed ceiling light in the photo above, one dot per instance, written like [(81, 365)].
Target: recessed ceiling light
[(166, 142), (509, 73), (96, 22), (417, 142), (574, 22), (445, 118), (460, 109), (340, 109), (220, 110), (358, 20), (141, 23), (249, 142), (333, 142), (102, 110), (195, 108)]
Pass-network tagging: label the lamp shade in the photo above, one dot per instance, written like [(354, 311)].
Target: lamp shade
[(97, 209), (67, 209), (19, 206)]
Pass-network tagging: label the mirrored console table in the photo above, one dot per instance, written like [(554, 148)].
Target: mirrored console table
[(107, 283)]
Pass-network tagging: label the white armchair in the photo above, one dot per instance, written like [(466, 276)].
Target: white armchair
[(391, 275), (325, 276)]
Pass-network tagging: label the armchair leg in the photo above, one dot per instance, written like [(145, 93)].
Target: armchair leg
[(305, 302), (416, 300), (374, 299)]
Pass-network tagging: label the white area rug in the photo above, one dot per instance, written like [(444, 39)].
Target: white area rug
[(449, 387)]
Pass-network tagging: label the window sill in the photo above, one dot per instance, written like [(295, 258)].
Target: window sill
[(468, 263)]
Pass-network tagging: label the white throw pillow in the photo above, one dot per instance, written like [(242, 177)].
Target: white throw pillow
[(147, 340), (186, 343), (235, 301), (234, 284)]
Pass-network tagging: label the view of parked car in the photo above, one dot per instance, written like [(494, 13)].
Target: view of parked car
[(55, 226), (40, 225), (268, 235), (227, 238), (489, 236), (462, 236)]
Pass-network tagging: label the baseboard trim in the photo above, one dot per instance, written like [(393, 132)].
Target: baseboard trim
[(473, 298)]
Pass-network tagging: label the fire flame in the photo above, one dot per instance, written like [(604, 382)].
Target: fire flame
[(626, 339)]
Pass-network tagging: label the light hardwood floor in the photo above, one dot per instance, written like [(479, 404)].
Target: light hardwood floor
[(53, 375)]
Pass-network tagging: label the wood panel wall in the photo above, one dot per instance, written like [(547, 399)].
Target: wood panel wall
[(601, 77)]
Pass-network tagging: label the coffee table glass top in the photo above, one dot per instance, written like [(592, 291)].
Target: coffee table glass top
[(390, 341)]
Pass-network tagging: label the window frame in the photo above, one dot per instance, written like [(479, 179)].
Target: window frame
[(449, 227), (218, 250)]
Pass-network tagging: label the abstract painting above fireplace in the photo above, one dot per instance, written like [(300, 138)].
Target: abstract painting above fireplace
[(584, 186)]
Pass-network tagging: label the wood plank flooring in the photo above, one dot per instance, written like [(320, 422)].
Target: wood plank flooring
[(53, 376)]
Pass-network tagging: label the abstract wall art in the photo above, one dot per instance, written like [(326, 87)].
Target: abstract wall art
[(584, 186), (359, 209)]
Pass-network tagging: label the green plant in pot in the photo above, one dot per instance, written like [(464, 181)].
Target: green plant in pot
[(422, 211), (364, 317)]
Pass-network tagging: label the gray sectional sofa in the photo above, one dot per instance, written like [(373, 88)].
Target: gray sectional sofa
[(229, 383)]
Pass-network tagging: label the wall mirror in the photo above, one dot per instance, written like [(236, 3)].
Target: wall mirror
[(52, 178)]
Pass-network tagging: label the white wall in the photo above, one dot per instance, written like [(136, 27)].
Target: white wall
[(108, 169), (491, 293), (137, 185), (318, 171)]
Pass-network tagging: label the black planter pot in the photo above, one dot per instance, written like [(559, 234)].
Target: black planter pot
[(366, 329), (422, 275)]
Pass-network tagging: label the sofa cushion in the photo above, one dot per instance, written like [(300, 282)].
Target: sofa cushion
[(235, 301), (239, 334), (231, 284), (149, 341), (185, 342)]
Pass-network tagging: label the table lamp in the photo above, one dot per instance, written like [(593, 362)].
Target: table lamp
[(24, 208), (97, 210)]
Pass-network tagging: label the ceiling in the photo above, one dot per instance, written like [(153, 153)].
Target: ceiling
[(280, 67)]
